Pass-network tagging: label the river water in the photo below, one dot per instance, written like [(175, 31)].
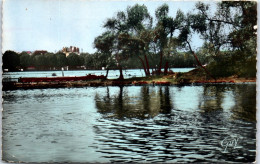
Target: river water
[(194, 123), (113, 74)]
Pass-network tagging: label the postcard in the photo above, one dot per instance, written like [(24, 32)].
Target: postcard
[(102, 81)]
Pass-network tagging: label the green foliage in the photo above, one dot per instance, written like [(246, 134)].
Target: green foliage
[(248, 69), (245, 64), (98, 60), (51, 59), (162, 11), (223, 67), (105, 42), (88, 61), (40, 61), (25, 60), (11, 60), (61, 60), (136, 16), (165, 26), (240, 38), (198, 23), (233, 63), (73, 60), (130, 45), (122, 38)]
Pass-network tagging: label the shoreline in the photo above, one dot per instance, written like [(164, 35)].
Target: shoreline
[(102, 83), (193, 77)]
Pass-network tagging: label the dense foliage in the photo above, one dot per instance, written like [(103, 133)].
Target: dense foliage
[(49, 61)]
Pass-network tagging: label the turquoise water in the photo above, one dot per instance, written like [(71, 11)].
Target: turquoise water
[(196, 123), (113, 74)]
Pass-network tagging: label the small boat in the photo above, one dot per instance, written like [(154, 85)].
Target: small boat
[(58, 79)]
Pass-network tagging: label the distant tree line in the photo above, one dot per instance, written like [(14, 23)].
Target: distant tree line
[(14, 61), (47, 61)]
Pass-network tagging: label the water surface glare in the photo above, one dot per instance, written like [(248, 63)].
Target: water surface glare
[(203, 123)]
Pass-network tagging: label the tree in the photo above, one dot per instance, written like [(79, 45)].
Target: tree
[(187, 26), (88, 60), (25, 60), (163, 31), (106, 44), (73, 60), (40, 61), (134, 46), (61, 59), (230, 29), (82, 60), (11, 60), (122, 32), (136, 43), (229, 35), (232, 25), (51, 60)]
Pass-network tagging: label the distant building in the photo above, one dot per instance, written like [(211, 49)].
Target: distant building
[(68, 50), (40, 52), (28, 52)]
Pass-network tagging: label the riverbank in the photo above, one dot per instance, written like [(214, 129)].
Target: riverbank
[(196, 76)]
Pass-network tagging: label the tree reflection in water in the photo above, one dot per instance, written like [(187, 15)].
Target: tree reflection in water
[(212, 98), (245, 102), (158, 124), (149, 103), (244, 97), (175, 124)]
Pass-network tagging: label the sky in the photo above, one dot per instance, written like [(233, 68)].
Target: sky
[(30, 25)]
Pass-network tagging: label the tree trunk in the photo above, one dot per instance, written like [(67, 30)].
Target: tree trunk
[(199, 62), (121, 76), (143, 65), (166, 68), (148, 67), (160, 66), (202, 65), (107, 72)]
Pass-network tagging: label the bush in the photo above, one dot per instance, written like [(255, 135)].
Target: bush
[(233, 63), (248, 68)]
